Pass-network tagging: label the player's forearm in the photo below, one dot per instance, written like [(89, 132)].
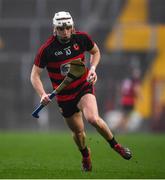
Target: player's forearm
[(36, 82), (95, 57), (38, 86)]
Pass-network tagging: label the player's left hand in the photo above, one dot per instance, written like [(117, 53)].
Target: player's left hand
[(92, 76)]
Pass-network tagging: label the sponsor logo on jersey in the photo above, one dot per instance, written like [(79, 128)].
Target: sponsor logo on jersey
[(67, 51), (58, 53)]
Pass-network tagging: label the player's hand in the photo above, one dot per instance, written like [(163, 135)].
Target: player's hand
[(45, 99), (92, 76)]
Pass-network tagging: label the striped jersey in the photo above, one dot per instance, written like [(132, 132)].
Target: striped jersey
[(128, 92), (52, 55)]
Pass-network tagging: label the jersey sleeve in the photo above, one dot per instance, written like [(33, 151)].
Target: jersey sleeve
[(41, 58), (88, 42)]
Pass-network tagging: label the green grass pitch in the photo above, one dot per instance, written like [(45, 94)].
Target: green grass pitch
[(54, 155)]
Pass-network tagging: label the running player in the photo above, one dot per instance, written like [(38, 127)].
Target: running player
[(78, 99)]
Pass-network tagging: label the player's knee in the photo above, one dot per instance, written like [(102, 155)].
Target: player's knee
[(93, 120), (79, 133)]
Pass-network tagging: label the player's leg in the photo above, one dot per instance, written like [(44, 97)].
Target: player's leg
[(88, 106), (126, 114), (76, 124), (123, 126)]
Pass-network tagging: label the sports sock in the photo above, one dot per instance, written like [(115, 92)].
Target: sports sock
[(85, 152), (112, 142)]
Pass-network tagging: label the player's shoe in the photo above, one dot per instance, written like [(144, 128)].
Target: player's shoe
[(124, 152), (87, 163)]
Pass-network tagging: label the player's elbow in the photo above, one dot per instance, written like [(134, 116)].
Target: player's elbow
[(35, 75), (33, 78)]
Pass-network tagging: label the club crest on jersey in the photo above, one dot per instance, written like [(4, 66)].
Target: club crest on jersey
[(65, 68), (76, 47)]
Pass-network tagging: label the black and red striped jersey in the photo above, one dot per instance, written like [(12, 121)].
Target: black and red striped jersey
[(53, 54), (128, 91)]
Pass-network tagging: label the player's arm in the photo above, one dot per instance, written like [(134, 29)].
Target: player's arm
[(37, 84), (95, 58)]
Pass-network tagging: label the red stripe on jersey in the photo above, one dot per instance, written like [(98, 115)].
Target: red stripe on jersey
[(55, 75), (66, 97), (73, 84), (72, 96), (57, 64), (77, 82), (41, 50)]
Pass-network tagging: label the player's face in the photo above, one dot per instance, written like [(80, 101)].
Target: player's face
[(64, 32)]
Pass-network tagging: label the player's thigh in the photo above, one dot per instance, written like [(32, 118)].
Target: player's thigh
[(88, 105), (75, 122)]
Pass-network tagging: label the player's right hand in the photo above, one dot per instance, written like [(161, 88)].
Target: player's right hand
[(45, 99)]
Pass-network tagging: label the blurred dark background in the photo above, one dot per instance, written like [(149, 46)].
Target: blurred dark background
[(129, 33)]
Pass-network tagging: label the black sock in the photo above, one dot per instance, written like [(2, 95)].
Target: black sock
[(112, 142), (85, 152)]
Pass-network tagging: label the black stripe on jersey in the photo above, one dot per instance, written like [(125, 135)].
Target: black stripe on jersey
[(57, 70), (81, 90), (71, 91), (57, 81), (54, 70)]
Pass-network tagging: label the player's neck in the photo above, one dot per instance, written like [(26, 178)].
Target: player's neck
[(62, 40)]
